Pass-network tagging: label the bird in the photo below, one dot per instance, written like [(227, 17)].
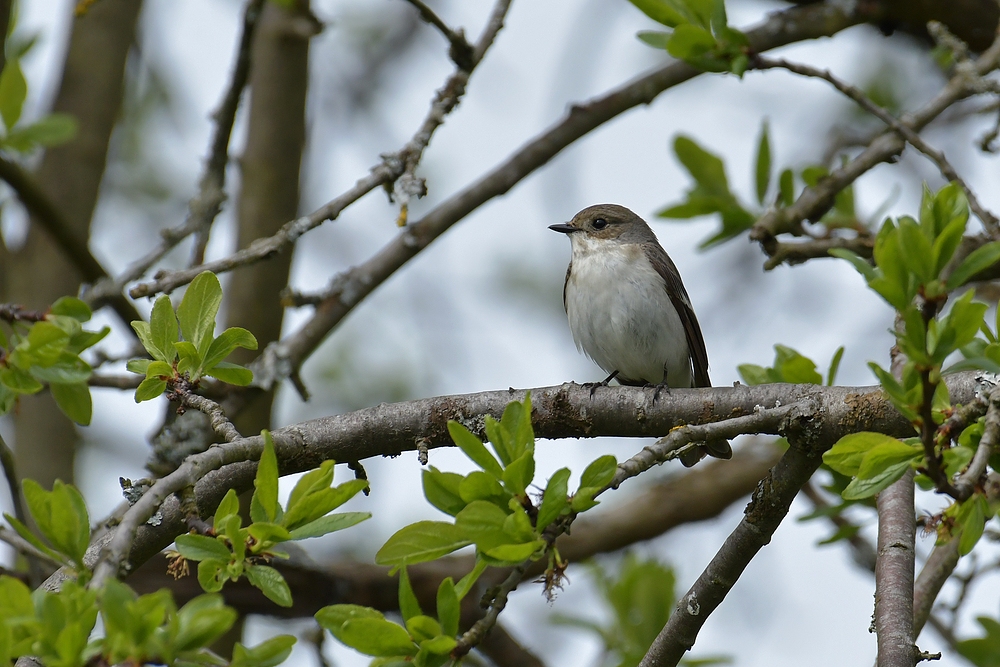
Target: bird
[(628, 309)]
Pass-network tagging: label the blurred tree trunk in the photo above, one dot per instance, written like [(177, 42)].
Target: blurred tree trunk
[(269, 196), (38, 274), (5, 6)]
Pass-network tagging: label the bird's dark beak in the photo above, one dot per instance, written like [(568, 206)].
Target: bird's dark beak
[(564, 228)]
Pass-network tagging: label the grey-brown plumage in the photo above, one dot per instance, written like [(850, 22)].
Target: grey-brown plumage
[(627, 307)]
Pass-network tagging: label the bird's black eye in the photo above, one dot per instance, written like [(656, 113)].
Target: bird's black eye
[(600, 223)]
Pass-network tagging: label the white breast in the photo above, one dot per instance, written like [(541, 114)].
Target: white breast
[(620, 314)]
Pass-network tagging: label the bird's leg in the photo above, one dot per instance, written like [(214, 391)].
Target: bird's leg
[(594, 385), (662, 386)]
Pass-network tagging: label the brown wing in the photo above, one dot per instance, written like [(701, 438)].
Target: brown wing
[(566, 282), (682, 304)]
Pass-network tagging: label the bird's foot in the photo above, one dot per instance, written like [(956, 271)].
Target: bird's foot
[(662, 387), (594, 385)]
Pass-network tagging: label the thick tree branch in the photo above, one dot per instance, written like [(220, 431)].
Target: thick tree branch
[(894, 570), (568, 410), (391, 168)]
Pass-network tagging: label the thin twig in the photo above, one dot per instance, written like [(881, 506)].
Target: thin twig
[(205, 206), (477, 632), (392, 167), (973, 475), (44, 211), (461, 52), (814, 201), (216, 415), (947, 170), (27, 548)]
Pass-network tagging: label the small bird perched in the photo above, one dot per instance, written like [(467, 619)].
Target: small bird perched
[(628, 310)]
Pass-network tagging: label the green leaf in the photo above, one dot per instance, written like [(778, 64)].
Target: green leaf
[(334, 616), (149, 389), (189, 361), (466, 583), (860, 264), (847, 454), (318, 503), (448, 607), (600, 472), (376, 637), (479, 485), (266, 482), (654, 38), (786, 187), (409, 607), (45, 344), (978, 260), (74, 401), (269, 653), (971, 519), (266, 535), (705, 168), (480, 519), (329, 524), (198, 309), (885, 455), (312, 482), (518, 475), (228, 340), (440, 645), (442, 490), (271, 583), (212, 574), (661, 11), (231, 373), (230, 506), (763, 166), (13, 90), (70, 306), (866, 488), (19, 381), (15, 598), (918, 254), (474, 449), (70, 521), (689, 42), (946, 244), (202, 547), (554, 500), (70, 369), (422, 628), (421, 541), (831, 375), (516, 553), (983, 651), (30, 537), (51, 130), (163, 330)]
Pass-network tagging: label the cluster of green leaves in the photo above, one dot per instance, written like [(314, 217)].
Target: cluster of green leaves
[(700, 34), (236, 550), (909, 273), (792, 367), (48, 352), (494, 511), (55, 627), (422, 640), (49, 130), (491, 506), (200, 353), (62, 519), (640, 596), (711, 193)]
